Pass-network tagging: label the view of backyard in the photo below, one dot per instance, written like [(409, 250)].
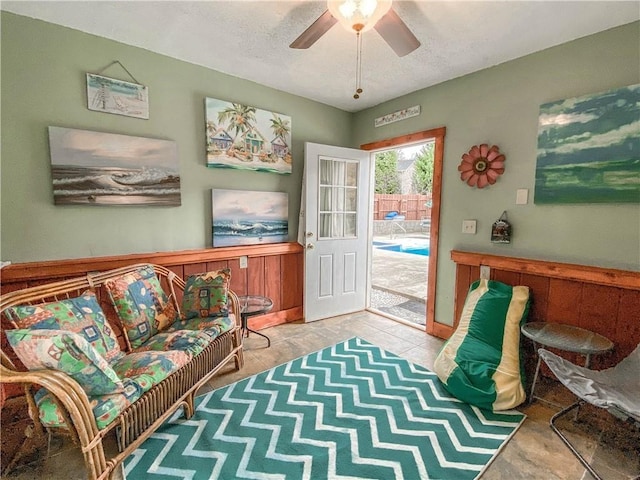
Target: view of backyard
[(401, 226)]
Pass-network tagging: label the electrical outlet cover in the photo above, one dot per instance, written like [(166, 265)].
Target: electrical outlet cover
[(469, 226)]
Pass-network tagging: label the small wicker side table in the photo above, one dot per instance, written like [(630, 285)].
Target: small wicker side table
[(564, 337)]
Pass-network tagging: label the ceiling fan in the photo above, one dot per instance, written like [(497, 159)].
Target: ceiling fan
[(359, 16)]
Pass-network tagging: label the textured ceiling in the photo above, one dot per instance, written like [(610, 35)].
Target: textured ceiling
[(250, 39)]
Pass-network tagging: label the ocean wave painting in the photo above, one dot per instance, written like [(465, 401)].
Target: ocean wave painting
[(95, 168), (589, 149), (249, 218)]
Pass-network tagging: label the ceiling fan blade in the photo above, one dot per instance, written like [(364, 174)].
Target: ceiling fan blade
[(315, 31), (396, 33)]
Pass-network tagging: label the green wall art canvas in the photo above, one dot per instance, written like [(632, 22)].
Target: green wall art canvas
[(589, 149), (247, 138), (98, 168)]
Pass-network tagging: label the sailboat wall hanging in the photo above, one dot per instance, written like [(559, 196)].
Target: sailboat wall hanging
[(110, 95)]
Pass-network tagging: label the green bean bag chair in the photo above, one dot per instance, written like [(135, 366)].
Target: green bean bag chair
[(480, 364)]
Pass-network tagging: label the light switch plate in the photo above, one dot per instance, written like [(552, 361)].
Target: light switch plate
[(522, 196), (469, 226), (243, 261)]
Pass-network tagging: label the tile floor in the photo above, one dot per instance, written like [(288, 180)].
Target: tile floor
[(535, 452)]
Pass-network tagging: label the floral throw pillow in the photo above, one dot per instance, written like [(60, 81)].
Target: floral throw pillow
[(67, 352), (143, 307), (205, 295), (82, 315)]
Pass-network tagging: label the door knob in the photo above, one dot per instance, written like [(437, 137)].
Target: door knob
[(309, 234), (310, 246)]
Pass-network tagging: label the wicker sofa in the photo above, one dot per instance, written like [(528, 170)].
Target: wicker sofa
[(160, 366)]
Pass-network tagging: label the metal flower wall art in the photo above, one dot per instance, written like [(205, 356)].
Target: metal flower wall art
[(482, 165)]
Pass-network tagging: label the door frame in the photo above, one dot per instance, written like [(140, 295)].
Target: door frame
[(437, 136)]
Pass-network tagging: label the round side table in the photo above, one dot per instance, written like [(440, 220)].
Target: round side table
[(251, 305), (564, 337)]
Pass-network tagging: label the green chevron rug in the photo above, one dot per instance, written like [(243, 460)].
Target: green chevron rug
[(350, 411)]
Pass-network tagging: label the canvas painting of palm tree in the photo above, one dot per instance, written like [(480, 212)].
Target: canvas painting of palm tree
[(589, 149), (244, 137)]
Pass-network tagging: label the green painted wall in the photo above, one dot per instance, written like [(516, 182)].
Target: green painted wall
[(43, 83), (500, 106)]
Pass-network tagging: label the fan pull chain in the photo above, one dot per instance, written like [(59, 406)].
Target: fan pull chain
[(358, 65)]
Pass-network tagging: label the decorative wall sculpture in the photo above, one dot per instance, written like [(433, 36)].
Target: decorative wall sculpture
[(481, 166)]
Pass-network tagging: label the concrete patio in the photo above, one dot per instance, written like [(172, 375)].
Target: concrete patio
[(399, 281)]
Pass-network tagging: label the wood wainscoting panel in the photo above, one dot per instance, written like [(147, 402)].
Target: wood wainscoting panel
[(255, 277), (273, 270), (273, 281), (563, 301), (627, 327), (292, 280), (603, 300), (539, 299)]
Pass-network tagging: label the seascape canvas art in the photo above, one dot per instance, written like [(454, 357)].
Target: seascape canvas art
[(249, 218), (110, 95), (244, 137), (589, 149), (96, 168)]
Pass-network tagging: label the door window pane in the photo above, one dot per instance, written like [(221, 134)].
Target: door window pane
[(350, 225), (325, 199), (350, 201), (338, 193), (352, 174)]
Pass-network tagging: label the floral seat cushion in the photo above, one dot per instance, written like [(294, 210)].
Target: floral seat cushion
[(189, 341), (67, 352), (106, 408), (82, 315), (139, 372), (141, 304), (212, 327), (149, 368)]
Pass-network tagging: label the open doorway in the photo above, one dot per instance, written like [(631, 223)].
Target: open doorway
[(427, 223), (401, 216)]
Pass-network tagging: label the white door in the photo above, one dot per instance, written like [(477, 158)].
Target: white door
[(336, 220)]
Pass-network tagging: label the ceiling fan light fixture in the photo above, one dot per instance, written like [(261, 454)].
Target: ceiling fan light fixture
[(358, 15)]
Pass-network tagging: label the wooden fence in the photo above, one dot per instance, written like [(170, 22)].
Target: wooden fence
[(413, 207)]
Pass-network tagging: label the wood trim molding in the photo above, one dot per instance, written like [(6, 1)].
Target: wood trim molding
[(441, 330), (275, 318), (406, 139), (67, 268), (434, 235), (566, 271), (437, 135)]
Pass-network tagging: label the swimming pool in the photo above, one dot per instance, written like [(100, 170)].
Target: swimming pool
[(406, 245)]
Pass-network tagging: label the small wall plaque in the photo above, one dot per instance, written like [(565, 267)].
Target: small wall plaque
[(397, 116), (501, 230)]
